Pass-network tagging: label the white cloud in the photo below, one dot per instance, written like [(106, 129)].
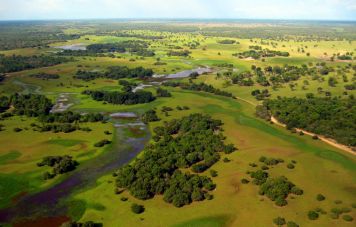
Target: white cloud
[(292, 9)]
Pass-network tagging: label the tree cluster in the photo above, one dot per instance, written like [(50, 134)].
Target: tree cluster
[(192, 140), (125, 98), (45, 76), (198, 87), (17, 63), (332, 118), (60, 164)]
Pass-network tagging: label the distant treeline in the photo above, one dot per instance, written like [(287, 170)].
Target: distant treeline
[(21, 34), (226, 41), (115, 72), (17, 63), (334, 118), (45, 76), (137, 47), (126, 98), (192, 142), (198, 87)]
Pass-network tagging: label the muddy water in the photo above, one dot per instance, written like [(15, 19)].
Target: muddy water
[(51, 203)]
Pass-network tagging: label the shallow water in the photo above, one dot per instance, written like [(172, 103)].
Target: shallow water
[(52, 201), (186, 73), (76, 46)]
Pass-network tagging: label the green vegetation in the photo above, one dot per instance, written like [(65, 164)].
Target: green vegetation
[(318, 115), (187, 159)]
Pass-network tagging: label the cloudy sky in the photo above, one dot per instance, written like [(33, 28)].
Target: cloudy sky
[(252, 9)]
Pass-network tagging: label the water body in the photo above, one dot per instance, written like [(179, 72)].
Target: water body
[(52, 202), (76, 46), (62, 103), (185, 73)]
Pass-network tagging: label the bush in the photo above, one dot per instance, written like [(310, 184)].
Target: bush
[(102, 143), (124, 199), (280, 201), (297, 191), (320, 197), (137, 209), (213, 173), (290, 166), (312, 215), (264, 167), (292, 224), (17, 129), (244, 181), (347, 217), (279, 221)]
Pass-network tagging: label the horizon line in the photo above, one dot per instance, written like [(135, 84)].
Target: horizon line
[(177, 18)]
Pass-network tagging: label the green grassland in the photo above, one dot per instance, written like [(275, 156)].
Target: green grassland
[(320, 168)]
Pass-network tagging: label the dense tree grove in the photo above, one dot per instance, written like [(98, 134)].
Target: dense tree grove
[(115, 72), (31, 105), (70, 117), (198, 87), (126, 98), (334, 118), (190, 141), (160, 92), (257, 54), (60, 164), (182, 53), (227, 41), (17, 63), (45, 76)]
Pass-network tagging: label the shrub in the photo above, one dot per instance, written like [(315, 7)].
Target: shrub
[(290, 166), (312, 215), (124, 199), (102, 143), (244, 181), (280, 201), (337, 201), (264, 167), (320, 197), (279, 221), (213, 173), (292, 224), (226, 160), (347, 217), (334, 215), (17, 129), (137, 209)]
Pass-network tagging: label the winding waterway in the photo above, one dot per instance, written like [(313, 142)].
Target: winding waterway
[(52, 202)]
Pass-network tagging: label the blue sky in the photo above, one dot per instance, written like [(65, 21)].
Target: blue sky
[(251, 9)]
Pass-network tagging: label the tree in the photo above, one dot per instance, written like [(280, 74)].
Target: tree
[(312, 215), (137, 209), (279, 221)]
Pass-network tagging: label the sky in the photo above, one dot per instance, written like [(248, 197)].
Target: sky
[(237, 9)]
